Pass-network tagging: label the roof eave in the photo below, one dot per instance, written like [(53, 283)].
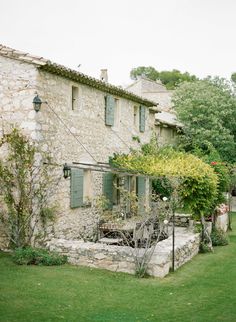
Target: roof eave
[(90, 81)]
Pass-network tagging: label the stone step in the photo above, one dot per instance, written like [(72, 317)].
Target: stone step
[(110, 241)]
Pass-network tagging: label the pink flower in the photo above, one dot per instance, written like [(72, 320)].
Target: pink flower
[(214, 163), (222, 209)]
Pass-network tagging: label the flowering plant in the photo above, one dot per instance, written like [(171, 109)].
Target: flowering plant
[(222, 209)]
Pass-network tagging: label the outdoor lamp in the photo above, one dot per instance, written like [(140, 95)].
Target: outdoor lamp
[(66, 170), (37, 103)]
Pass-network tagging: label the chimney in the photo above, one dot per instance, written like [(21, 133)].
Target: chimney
[(104, 75)]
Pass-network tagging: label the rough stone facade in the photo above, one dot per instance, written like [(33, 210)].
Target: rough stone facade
[(154, 91), (166, 125), (68, 133), (121, 258)]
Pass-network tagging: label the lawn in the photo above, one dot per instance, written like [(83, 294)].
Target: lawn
[(202, 290)]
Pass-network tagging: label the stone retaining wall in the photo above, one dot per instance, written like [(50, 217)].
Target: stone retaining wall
[(121, 258)]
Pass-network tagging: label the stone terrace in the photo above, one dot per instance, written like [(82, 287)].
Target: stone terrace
[(121, 258)]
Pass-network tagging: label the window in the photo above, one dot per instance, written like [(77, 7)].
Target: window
[(74, 97), (108, 187), (136, 117), (142, 116), (109, 110), (81, 187), (116, 191), (112, 111), (111, 185)]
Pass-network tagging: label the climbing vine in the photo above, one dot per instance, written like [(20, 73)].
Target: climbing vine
[(198, 188), (26, 187)]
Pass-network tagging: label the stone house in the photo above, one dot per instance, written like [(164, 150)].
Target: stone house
[(81, 123), (166, 124)]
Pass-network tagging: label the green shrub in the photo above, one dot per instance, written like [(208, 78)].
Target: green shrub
[(37, 256), (204, 248), (219, 237), (162, 186)]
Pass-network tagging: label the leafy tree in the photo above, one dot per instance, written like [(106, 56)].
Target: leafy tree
[(149, 72), (207, 110), (233, 77), (169, 78)]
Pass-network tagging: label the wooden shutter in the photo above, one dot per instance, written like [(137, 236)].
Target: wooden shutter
[(141, 192), (108, 188), (127, 188), (142, 118), (76, 188), (141, 186), (109, 110)]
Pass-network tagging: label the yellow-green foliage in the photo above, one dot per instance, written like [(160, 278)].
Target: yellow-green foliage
[(198, 188)]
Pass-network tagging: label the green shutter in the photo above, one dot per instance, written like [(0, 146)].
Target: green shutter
[(76, 187), (142, 118), (109, 110), (141, 192), (141, 187), (108, 188), (127, 188)]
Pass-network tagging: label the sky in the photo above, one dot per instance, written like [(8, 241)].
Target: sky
[(197, 36)]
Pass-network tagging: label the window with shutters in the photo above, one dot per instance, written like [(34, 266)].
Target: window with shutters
[(74, 98), (76, 187), (80, 188), (136, 117), (117, 114), (116, 191), (142, 116), (109, 110), (140, 187), (108, 188)]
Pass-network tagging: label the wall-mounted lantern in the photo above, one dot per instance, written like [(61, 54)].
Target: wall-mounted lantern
[(37, 102), (66, 171)]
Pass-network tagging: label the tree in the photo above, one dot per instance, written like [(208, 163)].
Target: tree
[(169, 78), (149, 72), (26, 187), (233, 77), (207, 110)]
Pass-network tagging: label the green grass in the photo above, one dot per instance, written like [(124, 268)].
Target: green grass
[(202, 290)]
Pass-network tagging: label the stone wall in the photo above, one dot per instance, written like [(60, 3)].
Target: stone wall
[(121, 258), (85, 123), (17, 89), (67, 135), (154, 91), (165, 134)]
